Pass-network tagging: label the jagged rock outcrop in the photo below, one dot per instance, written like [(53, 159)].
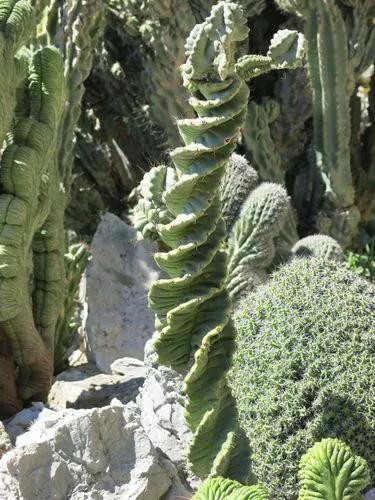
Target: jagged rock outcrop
[(85, 454), (118, 277)]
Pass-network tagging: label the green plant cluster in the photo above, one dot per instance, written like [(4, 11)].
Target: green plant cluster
[(328, 471), (303, 368)]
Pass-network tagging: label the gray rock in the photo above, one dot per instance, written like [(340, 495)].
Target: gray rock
[(83, 387), (5, 442), (103, 453), (20, 423), (130, 367), (370, 495), (118, 278), (162, 413)]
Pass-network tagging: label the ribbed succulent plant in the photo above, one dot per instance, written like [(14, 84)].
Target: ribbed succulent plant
[(76, 259), (330, 471), (192, 306), (239, 179), (181, 208), (220, 488), (28, 180)]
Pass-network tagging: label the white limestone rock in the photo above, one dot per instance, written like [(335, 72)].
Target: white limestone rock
[(162, 413), (119, 321), (102, 453), (83, 387)]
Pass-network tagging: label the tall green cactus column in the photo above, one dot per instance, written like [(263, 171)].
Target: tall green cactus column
[(340, 40), (181, 207), (27, 167)]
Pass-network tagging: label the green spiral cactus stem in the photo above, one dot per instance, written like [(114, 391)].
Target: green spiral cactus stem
[(27, 190), (330, 471), (220, 488), (192, 306), (239, 179), (318, 245), (251, 245)]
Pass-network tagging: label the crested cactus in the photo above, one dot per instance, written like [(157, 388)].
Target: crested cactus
[(28, 176), (318, 245), (340, 41), (251, 247), (330, 471), (220, 488)]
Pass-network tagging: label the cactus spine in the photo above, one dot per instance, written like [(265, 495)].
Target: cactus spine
[(27, 178)]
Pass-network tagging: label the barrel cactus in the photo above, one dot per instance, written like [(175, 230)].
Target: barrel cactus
[(303, 367)]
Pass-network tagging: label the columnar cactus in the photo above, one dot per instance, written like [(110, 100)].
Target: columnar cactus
[(239, 180), (74, 27), (257, 136), (181, 208), (192, 306), (251, 246), (76, 260), (340, 40), (27, 177)]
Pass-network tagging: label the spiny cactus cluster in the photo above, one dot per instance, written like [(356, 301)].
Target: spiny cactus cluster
[(329, 471), (303, 367)]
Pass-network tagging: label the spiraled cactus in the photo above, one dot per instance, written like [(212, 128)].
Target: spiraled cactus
[(28, 190), (339, 39), (318, 245), (330, 471), (251, 245), (192, 306), (220, 488)]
